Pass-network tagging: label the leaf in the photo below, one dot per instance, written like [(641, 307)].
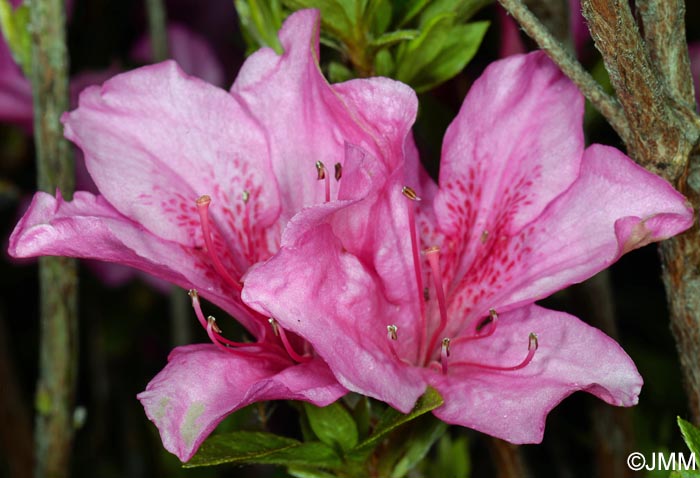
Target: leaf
[(336, 15), (14, 26), (261, 20), (462, 10), (391, 419), (412, 9), (691, 435), (463, 43), (338, 72), (452, 457), (306, 473), (419, 444), (383, 63), (333, 425), (263, 448), (413, 56), (392, 38)]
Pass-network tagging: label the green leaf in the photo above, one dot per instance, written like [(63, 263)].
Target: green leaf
[(419, 445), (415, 55), (383, 63), (263, 448), (338, 72), (307, 473), (411, 10), (391, 419), (333, 425), (461, 46), (14, 26), (452, 457), (261, 20), (392, 38), (462, 10), (336, 15), (691, 435)]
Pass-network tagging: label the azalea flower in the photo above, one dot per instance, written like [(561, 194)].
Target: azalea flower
[(196, 186), (416, 285)]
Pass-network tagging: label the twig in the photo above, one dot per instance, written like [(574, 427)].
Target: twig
[(607, 105), (157, 29), (58, 279)]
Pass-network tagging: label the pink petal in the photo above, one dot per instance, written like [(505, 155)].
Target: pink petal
[(189, 49), (615, 206), (511, 42), (513, 405), (201, 385), (155, 140), (15, 91), (89, 228), (515, 145), (308, 120), (334, 305)]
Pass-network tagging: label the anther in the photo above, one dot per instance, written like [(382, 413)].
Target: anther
[(410, 193), (444, 354), (484, 236), (338, 171), (321, 175), (211, 322), (203, 210), (320, 171), (392, 335), (275, 326), (391, 332), (246, 196)]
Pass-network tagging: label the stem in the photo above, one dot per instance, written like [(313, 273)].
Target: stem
[(508, 459), (157, 27), (607, 105), (57, 275)]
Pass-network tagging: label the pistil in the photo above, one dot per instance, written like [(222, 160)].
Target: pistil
[(203, 210)]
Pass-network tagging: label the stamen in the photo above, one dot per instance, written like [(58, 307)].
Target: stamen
[(246, 224), (491, 322), (203, 209), (322, 175), (211, 321), (411, 194), (433, 255), (285, 341), (484, 236), (338, 171), (392, 335), (444, 354), (532, 346)]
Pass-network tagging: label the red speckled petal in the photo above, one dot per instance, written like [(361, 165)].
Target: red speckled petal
[(90, 228), (615, 206), (513, 405), (156, 139), (514, 147), (201, 385)]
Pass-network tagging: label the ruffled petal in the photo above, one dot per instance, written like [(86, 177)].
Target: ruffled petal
[(515, 145), (201, 385), (615, 206), (90, 228), (513, 405), (156, 139), (334, 305), (308, 120)]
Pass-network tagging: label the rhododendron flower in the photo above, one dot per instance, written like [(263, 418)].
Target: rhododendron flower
[(398, 294), (196, 185)]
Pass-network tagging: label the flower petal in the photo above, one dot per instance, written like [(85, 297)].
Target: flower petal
[(308, 120), (513, 405), (155, 140), (333, 306), (90, 228), (615, 206), (15, 91), (201, 385), (515, 145)]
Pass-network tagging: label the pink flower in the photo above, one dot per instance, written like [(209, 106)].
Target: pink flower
[(522, 210), (196, 185)]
